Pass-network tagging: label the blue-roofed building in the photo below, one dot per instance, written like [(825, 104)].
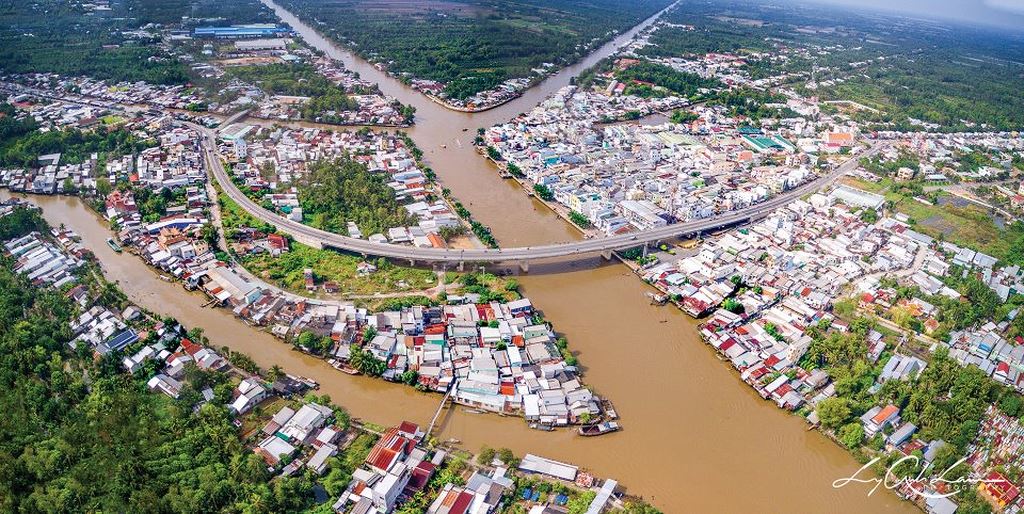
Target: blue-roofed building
[(119, 341), (256, 30)]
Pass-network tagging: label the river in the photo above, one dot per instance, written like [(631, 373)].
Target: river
[(696, 438)]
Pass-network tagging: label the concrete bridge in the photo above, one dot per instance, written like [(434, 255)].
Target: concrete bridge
[(521, 255)]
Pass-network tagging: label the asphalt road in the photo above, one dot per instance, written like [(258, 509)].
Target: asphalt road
[(581, 248)]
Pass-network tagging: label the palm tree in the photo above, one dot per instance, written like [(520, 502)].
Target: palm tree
[(275, 373)]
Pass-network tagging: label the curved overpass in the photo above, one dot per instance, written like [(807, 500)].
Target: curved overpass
[(321, 238)]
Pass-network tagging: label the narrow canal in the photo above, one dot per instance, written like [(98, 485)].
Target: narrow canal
[(696, 438)]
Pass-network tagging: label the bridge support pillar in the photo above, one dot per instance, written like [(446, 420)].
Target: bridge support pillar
[(607, 254), (412, 262), (524, 266), (645, 250), (462, 267)]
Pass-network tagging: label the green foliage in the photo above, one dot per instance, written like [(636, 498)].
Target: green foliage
[(640, 507), (111, 445), (579, 504), (74, 145), (947, 401), (486, 456), (733, 305), (579, 219), (300, 80), (681, 116), (544, 192), (342, 465), (833, 412), (62, 37), (366, 363), (677, 82), (313, 343), (474, 45), (343, 190), (21, 221), (851, 435), (749, 102)]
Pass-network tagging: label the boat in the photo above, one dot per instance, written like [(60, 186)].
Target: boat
[(609, 409), (599, 429), (657, 299), (542, 427), (342, 367), (472, 411), (165, 278), (113, 245)]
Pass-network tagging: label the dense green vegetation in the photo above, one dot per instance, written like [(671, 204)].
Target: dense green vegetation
[(75, 146), (232, 12), (298, 80), (66, 38), (663, 77), (287, 270), (473, 44), (77, 435), (946, 401), (334, 193)]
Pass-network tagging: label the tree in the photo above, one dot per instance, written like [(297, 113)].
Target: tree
[(275, 373), (486, 456), (833, 412), (851, 435), (103, 187)]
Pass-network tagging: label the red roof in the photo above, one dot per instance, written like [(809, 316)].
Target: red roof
[(190, 347), (408, 427), (885, 414), (998, 487)]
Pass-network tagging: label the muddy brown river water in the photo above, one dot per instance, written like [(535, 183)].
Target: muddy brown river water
[(695, 438)]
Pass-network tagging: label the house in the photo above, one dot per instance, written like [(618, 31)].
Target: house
[(452, 500), (309, 418), (878, 418), (318, 462), (998, 489), (250, 392), (902, 434)]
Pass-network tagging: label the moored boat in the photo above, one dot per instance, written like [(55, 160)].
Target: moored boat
[(113, 245), (599, 429)]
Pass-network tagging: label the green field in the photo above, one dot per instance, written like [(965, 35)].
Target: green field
[(969, 225)]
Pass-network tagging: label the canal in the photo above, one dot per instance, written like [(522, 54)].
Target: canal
[(696, 439)]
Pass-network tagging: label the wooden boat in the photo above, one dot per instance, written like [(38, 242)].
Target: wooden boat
[(342, 367), (599, 429), (609, 409), (113, 245), (542, 427), (657, 299)]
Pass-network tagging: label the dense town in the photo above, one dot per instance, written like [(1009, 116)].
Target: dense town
[(881, 304), (842, 266)]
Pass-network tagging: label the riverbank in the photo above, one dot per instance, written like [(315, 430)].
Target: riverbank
[(274, 415)]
